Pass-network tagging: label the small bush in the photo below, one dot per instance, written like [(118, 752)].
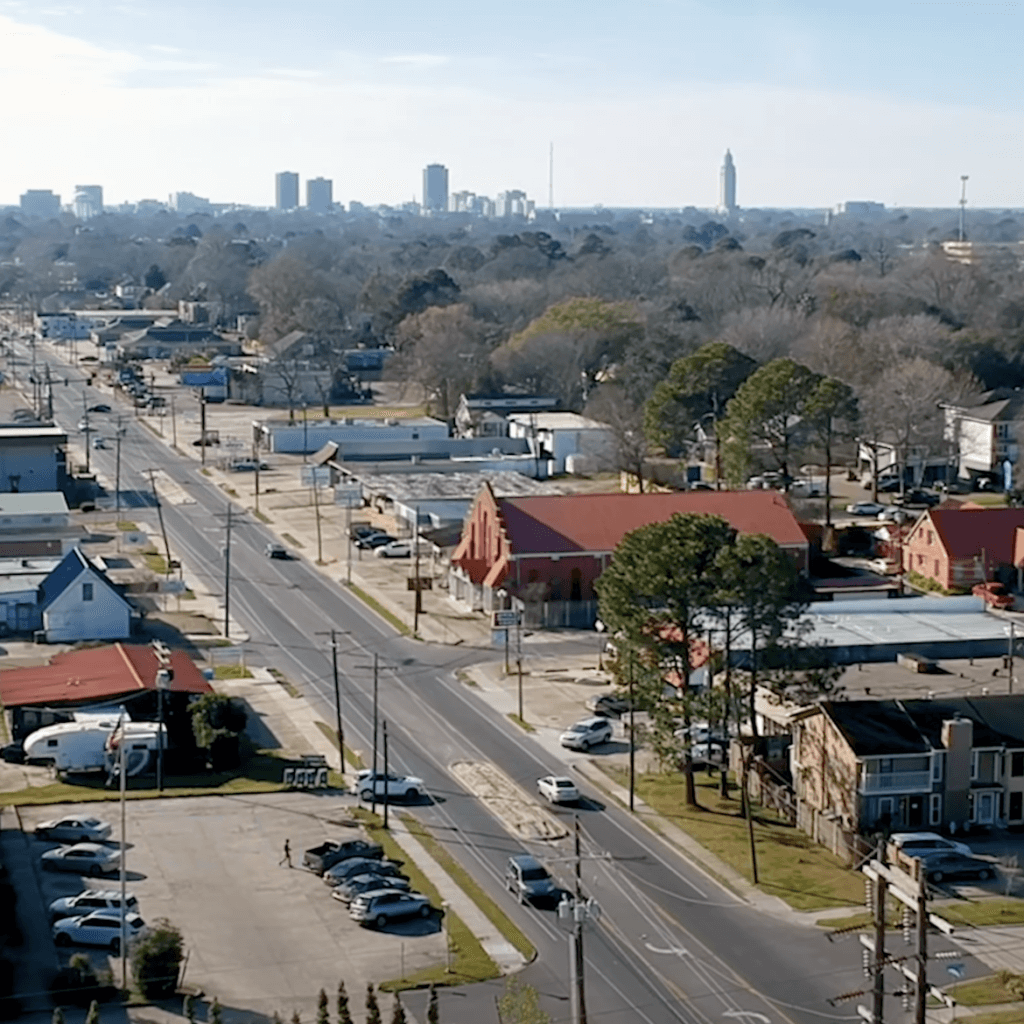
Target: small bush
[(78, 984), (156, 960)]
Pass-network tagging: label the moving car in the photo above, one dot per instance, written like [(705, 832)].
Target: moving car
[(276, 551), (101, 928), (586, 734), (83, 859), (346, 869), (92, 900), (388, 905), (941, 867), (919, 844), (319, 858), (918, 498), (865, 508), (528, 880), (608, 704), (74, 830), (101, 407), (99, 443), (349, 890), (388, 786), (993, 593), (558, 789)]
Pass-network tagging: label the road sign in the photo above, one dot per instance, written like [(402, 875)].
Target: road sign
[(504, 619), (499, 637), (348, 495), (419, 583)]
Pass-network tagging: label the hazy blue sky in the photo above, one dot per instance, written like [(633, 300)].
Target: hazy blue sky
[(819, 102)]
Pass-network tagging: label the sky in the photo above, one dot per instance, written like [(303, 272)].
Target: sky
[(819, 102)]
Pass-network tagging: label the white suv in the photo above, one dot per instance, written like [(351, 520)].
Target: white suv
[(919, 844), (90, 900), (102, 928), (586, 734)]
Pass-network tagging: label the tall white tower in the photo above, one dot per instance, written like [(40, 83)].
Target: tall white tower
[(727, 186)]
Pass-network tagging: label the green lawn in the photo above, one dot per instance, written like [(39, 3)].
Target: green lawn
[(983, 991), (231, 672), (790, 864), (983, 912), (380, 609)]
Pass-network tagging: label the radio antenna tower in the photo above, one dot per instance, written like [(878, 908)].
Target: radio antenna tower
[(551, 176), (963, 204)]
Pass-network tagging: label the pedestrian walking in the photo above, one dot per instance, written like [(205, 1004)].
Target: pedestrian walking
[(287, 858)]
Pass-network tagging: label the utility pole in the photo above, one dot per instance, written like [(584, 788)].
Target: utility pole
[(1010, 660), (417, 608), (348, 541), (202, 426), (316, 507), (160, 516), (174, 425), (878, 909), (227, 578), (632, 739), (85, 416), (117, 475), (387, 801), (376, 677), (337, 704), (579, 911)]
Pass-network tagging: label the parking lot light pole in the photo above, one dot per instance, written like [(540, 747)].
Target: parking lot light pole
[(124, 851), (387, 801)]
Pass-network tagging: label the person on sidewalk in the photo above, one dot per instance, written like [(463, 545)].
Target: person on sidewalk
[(287, 858)]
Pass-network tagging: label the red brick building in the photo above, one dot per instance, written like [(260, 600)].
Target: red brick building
[(960, 547), (547, 551)]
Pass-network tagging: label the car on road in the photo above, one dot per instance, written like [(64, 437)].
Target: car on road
[(894, 514), (586, 734), (528, 880), (83, 859), (346, 869), (83, 424), (993, 593), (371, 784), (921, 844), (558, 789), (378, 908), (865, 508), (99, 443), (375, 540), (918, 499), (74, 829), (941, 867), (608, 704), (101, 928), (347, 891), (277, 551), (101, 407), (396, 549), (90, 901)]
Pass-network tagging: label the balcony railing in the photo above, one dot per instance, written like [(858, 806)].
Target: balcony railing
[(896, 782)]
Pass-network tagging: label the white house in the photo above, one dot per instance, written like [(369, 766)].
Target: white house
[(78, 602), (555, 436), (987, 434)]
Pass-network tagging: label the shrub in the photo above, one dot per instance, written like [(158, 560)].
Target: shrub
[(217, 721), (78, 984), (156, 959)]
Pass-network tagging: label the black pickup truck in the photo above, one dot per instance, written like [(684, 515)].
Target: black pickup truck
[(320, 858)]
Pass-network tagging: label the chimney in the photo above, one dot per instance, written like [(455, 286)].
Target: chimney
[(958, 739)]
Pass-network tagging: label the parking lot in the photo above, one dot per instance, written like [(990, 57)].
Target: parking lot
[(258, 936)]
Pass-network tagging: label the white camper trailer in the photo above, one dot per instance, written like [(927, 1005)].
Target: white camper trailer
[(84, 746)]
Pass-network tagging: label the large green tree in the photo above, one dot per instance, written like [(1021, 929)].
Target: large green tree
[(697, 387), (831, 411)]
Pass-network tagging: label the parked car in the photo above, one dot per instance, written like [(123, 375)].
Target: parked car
[(888, 484), (396, 549), (865, 508), (349, 890), (13, 753), (388, 786), (609, 705), (918, 844), (277, 551), (83, 859), (919, 499), (319, 858), (74, 830), (993, 593), (558, 789), (91, 900), (360, 531), (375, 540), (586, 734), (948, 866), (346, 869), (378, 908), (101, 928), (528, 880), (248, 466), (894, 514)]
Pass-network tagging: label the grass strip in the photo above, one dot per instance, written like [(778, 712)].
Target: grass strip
[(521, 722), (982, 913), (351, 757), (988, 991), (155, 562), (231, 672), (468, 885), (790, 864), (1003, 1017), (291, 540), (380, 609), (289, 687), (260, 516), (127, 526), (470, 963)]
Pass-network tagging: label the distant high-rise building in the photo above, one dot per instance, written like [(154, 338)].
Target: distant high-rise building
[(319, 195), (435, 188), (88, 201), (727, 189), (40, 202), (286, 190), (189, 204)]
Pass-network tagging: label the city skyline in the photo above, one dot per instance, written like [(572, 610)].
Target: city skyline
[(806, 98)]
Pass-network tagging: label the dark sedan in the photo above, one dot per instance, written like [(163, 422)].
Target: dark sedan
[(346, 869), (948, 867), (609, 705)]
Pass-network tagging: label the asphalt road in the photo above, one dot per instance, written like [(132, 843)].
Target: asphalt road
[(671, 945)]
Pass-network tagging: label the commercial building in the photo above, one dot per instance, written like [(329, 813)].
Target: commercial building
[(435, 188), (40, 202), (319, 195), (88, 201), (286, 190)]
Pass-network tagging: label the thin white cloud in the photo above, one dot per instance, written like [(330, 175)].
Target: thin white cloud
[(416, 60)]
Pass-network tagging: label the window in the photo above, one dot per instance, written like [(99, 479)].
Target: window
[(931, 537), (885, 764), (935, 809), (886, 805), (974, 764), (1017, 763), (938, 766), (936, 567), (86, 591), (51, 743)]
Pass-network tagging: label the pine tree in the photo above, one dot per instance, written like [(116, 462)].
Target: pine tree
[(344, 1013), (216, 1016), (433, 1010), (398, 1012), (372, 1009), (188, 1008), (93, 1016), (323, 1014)]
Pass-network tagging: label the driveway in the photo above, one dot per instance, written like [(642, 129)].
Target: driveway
[(258, 936)]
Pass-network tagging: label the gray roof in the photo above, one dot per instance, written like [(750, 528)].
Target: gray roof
[(70, 568), (26, 503), (448, 486), (1002, 404)]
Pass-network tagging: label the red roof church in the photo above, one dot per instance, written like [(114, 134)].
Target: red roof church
[(549, 550)]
